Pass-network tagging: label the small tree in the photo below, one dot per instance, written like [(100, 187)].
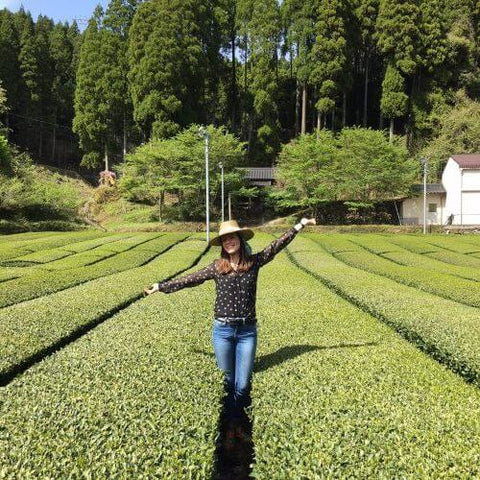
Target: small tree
[(177, 166), (305, 172), (370, 168), (359, 165)]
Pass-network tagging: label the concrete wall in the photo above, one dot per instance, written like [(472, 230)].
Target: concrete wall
[(412, 209)]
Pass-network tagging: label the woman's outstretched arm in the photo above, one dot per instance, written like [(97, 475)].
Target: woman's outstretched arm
[(190, 280), (269, 252)]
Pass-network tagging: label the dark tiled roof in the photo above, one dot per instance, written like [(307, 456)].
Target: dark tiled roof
[(467, 160), (259, 173), (431, 188)]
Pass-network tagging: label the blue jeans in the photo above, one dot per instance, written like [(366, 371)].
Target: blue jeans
[(235, 352)]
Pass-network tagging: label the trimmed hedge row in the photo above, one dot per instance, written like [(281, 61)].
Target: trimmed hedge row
[(41, 282), (87, 256), (337, 394), (417, 246), (15, 249), (80, 247), (137, 397), (107, 248), (404, 257), (30, 328), (454, 244), (458, 289), (447, 330), (17, 237)]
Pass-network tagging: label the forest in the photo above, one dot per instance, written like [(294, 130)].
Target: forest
[(266, 70)]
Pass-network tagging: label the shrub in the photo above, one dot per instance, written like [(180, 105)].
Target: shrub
[(30, 328)]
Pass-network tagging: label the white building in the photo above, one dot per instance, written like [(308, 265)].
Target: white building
[(456, 200), (412, 208), (461, 179)]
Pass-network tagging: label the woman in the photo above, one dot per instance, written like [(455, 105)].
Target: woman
[(234, 333)]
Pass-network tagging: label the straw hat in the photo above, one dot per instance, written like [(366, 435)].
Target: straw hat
[(231, 226)]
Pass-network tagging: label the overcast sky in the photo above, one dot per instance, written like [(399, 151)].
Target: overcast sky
[(59, 10)]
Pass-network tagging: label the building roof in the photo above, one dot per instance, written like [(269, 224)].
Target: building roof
[(259, 173), (431, 188), (467, 160)]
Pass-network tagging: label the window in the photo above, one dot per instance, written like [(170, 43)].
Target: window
[(432, 208)]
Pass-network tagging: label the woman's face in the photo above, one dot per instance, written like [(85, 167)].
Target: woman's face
[(231, 243)]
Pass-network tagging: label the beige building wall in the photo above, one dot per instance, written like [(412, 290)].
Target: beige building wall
[(412, 209)]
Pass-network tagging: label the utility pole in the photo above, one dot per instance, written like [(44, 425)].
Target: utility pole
[(425, 166), (223, 196), (203, 132)]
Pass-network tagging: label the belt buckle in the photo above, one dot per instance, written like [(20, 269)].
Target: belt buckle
[(234, 321)]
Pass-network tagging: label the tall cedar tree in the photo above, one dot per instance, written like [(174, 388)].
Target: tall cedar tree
[(118, 19), (299, 18), (398, 33), (98, 100), (261, 22), (9, 66), (328, 56), (43, 29), (170, 56), (63, 84), (31, 70), (430, 76), (366, 13)]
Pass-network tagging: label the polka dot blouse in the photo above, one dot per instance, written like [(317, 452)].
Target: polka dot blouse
[(236, 291)]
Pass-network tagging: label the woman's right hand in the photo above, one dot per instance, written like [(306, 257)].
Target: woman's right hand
[(150, 290)]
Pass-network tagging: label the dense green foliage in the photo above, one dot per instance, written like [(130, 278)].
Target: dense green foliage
[(84, 304), (267, 70), (458, 132), (31, 192), (444, 328), (38, 74), (139, 398), (336, 391), (337, 394), (357, 165), (177, 166)]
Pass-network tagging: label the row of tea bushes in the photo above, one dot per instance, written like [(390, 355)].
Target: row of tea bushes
[(25, 236), (68, 254), (445, 329), (30, 329), (42, 282), (455, 244), (137, 397), (118, 246), (401, 256), (338, 394), (51, 240), (102, 252), (52, 254), (458, 289), (417, 245)]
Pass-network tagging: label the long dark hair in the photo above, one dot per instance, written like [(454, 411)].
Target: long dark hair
[(245, 263)]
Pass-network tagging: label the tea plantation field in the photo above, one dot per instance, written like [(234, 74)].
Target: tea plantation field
[(368, 359)]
